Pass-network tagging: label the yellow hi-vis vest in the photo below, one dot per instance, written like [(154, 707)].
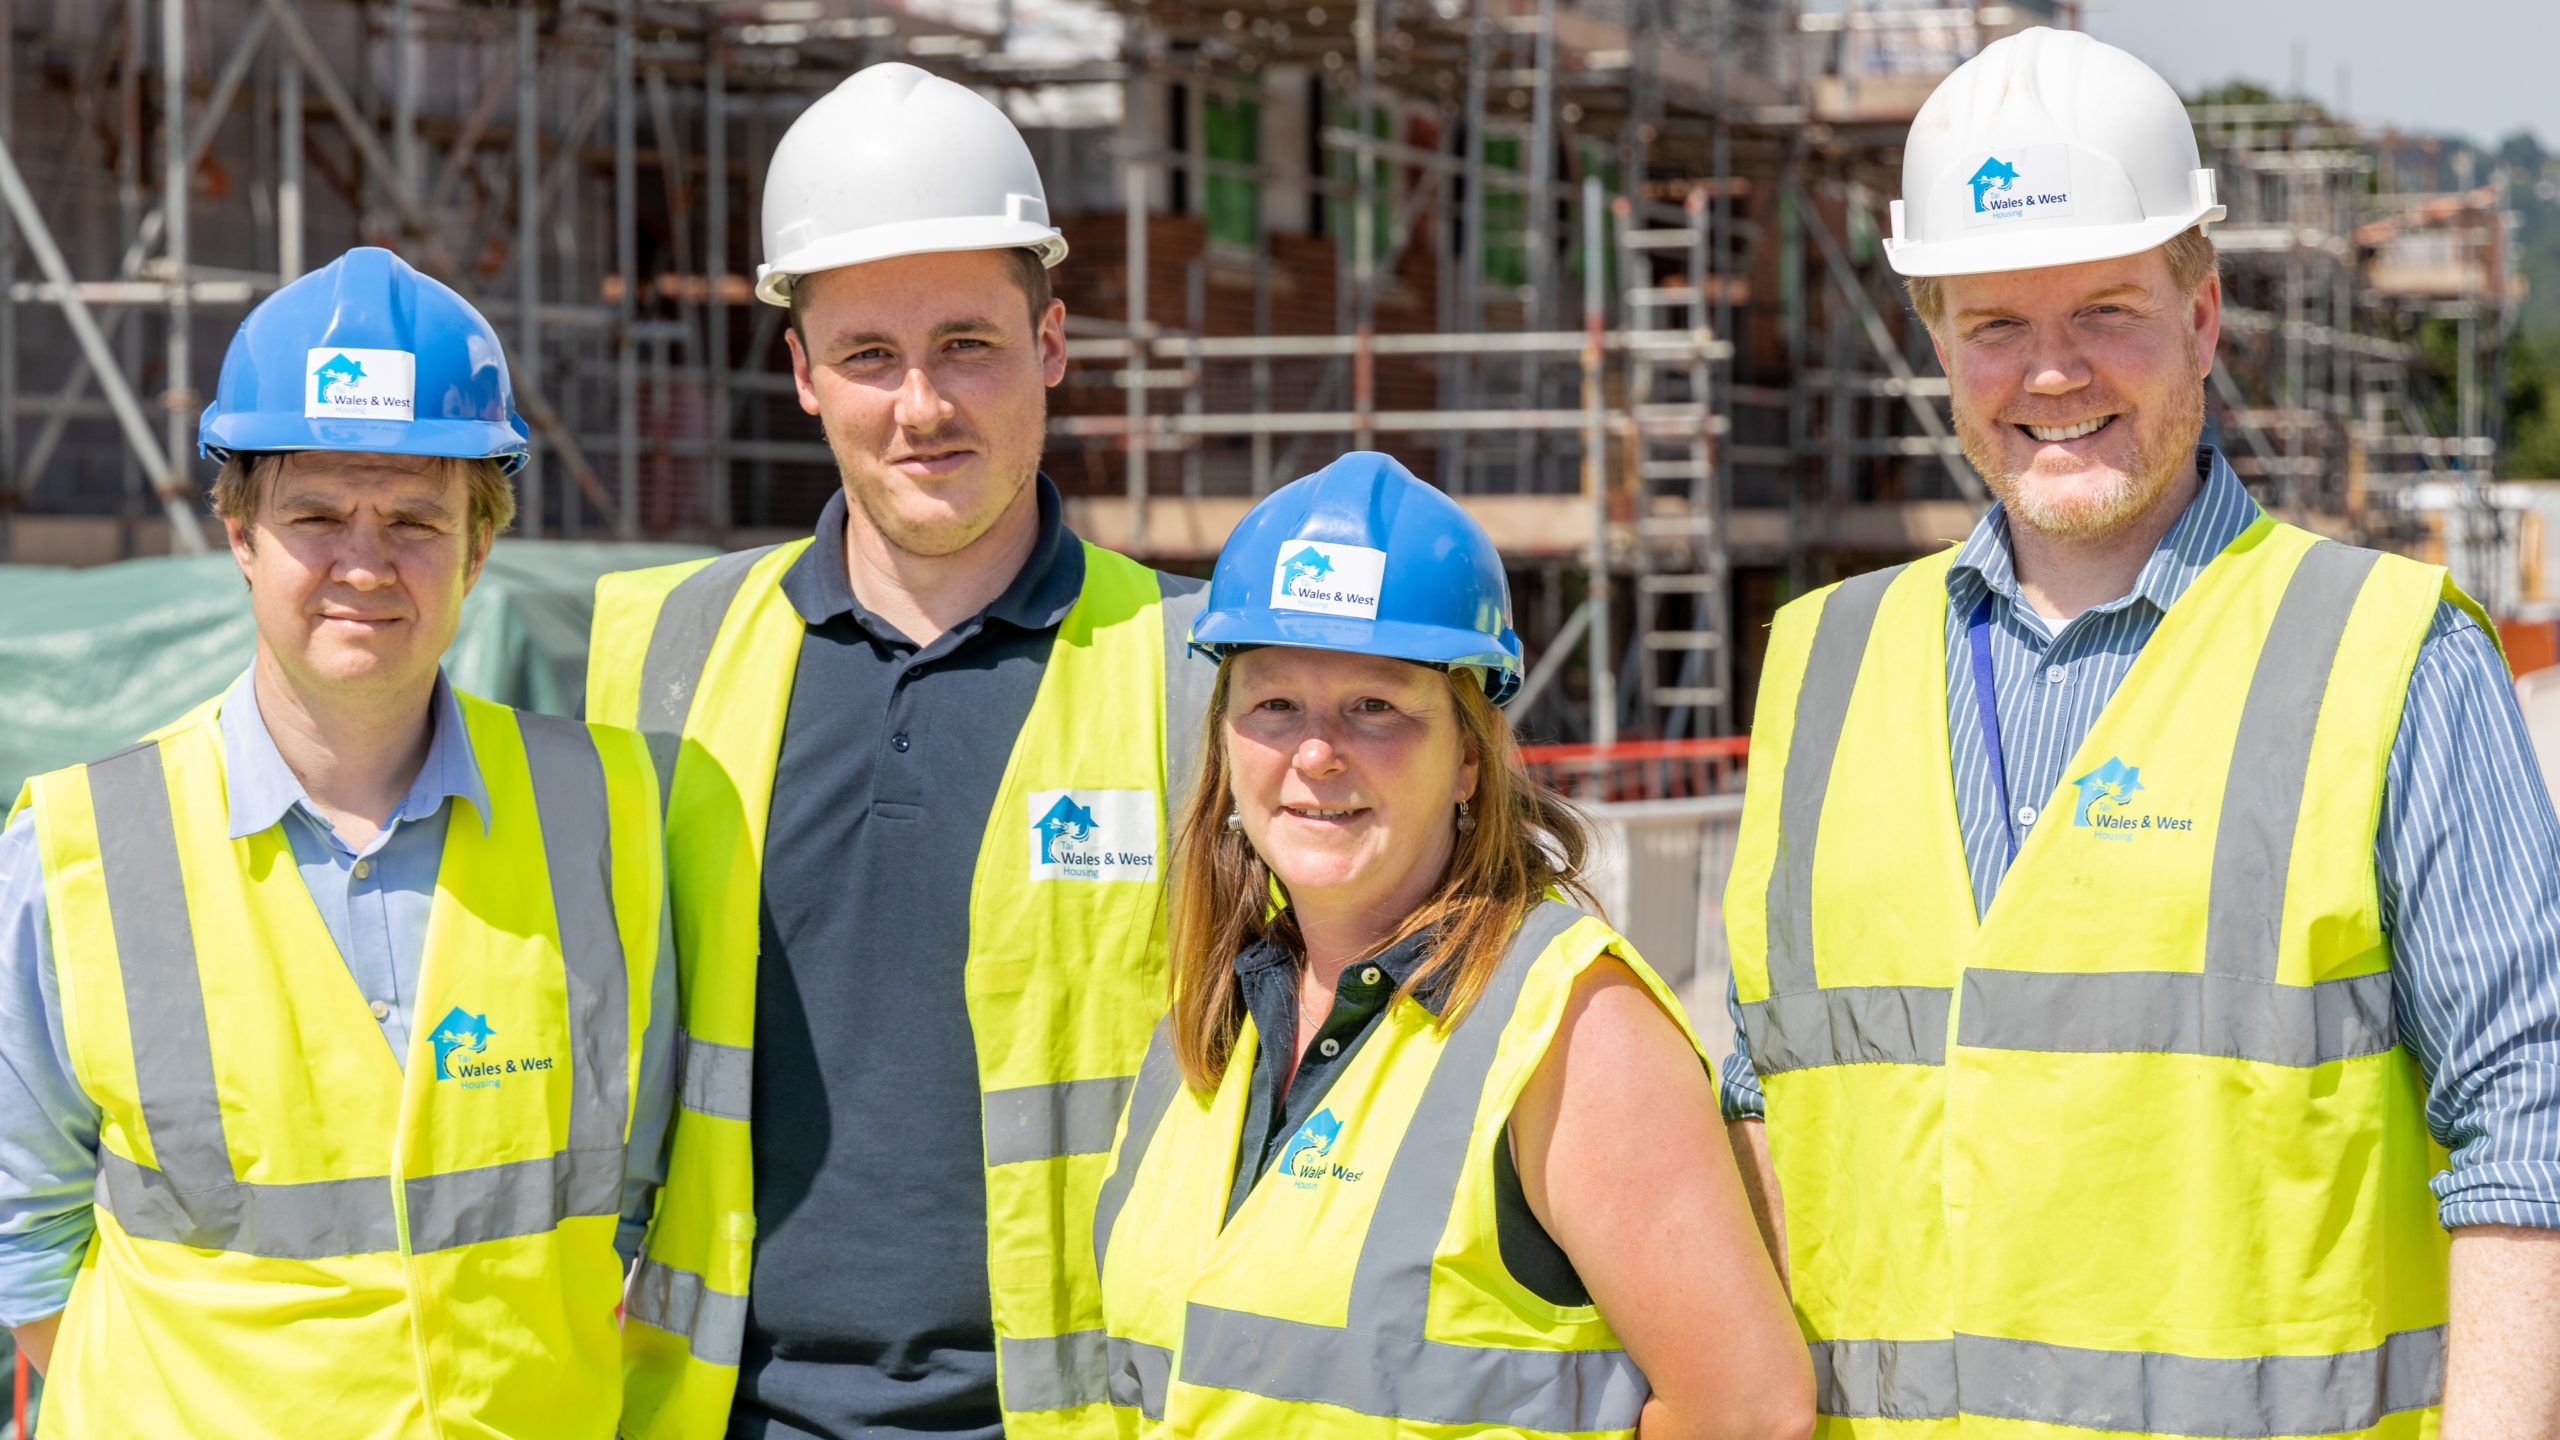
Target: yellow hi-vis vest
[(2140, 1151), (1359, 1293), (1065, 974), (298, 1235)]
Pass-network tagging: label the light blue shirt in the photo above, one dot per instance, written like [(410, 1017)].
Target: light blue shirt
[(375, 899), (2468, 852)]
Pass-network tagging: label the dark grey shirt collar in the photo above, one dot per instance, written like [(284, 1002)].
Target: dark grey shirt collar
[(1399, 961), (1042, 592)]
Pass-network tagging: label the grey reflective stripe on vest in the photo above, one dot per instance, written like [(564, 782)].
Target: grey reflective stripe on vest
[(1159, 1080), (163, 995), (522, 1197), (1381, 1364), (1410, 1378), (713, 1322), (680, 650), (1044, 1122), (1848, 1025), (577, 848), (2150, 1393), (193, 1197), (1885, 1379), (715, 1079), (2271, 761), (1391, 1281), (2149, 1012), (1822, 711), (318, 1220), (1140, 1374), (1052, 1372), (1187, 682)]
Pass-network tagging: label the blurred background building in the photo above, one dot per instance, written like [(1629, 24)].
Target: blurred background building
[(1606, 268)]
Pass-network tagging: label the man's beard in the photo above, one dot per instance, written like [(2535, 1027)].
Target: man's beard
[(2160, 457)]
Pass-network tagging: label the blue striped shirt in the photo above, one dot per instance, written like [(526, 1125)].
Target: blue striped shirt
[(2468, 851)]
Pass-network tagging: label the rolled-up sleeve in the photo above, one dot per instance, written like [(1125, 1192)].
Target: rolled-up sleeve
[(48, 1127), (2469, 859), (1738, 1082)]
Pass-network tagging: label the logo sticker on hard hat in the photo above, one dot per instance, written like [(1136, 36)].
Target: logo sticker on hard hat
[(360, 384), (2020, 184), (1093, 834), (1328, 579)]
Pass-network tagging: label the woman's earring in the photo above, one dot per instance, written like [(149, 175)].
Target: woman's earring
[(1466, 822), (1234, 820)]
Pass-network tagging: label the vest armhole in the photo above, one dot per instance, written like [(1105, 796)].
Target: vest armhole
[(1529, 1254)]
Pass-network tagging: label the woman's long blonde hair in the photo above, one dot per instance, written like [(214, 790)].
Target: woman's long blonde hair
[(1526, 840)]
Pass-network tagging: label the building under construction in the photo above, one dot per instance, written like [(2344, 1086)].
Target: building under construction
[(1609, 269)]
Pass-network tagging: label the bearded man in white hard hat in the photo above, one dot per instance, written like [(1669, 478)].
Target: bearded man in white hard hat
[(916, 767), (2135, 905)]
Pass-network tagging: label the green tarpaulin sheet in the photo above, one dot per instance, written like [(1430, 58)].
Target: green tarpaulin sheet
[(93, 659)]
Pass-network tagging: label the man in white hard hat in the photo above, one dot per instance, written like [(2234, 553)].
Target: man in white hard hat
[(916, 769), (2135, 905)]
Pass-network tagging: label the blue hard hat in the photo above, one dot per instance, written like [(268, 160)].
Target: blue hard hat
[(1361, 556), (365, 354)]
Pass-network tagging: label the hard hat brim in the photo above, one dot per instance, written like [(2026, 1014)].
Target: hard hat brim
[(1217, 635), (913, 237), (225, 436), (2038, 249)]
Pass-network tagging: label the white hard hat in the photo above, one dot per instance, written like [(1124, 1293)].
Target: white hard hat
[(895, 161), (2048, 148)]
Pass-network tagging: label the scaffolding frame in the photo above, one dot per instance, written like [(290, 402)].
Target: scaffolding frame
[(1740, 407)]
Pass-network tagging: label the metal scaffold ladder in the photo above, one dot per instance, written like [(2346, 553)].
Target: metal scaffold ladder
[(1684, 660)]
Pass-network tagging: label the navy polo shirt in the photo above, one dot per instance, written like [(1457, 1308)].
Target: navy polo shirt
[(870, 1314)]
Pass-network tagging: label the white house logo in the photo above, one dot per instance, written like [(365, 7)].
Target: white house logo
[(360, 384), (1328, 579), (1093, 834), (2032, 181)]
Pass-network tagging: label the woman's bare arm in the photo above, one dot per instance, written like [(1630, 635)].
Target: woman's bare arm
[(1624, 1160)]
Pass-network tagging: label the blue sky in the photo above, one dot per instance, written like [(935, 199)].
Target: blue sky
[(2480, 68)]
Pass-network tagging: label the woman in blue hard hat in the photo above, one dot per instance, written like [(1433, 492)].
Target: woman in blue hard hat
[(334, 1016), (1421, 1144)]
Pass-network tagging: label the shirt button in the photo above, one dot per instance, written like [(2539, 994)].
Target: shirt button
[(2053, 674), (1328, 1048), (898, 742), (381, 1009), (363, 868), (1369, 974), (2026, 814)]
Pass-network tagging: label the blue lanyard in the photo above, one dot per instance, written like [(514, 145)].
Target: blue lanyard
[(1978, 636)]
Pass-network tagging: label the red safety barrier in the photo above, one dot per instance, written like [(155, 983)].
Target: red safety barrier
[(1642, 769)]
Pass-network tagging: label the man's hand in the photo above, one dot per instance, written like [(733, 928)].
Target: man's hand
[(2502, 1366)]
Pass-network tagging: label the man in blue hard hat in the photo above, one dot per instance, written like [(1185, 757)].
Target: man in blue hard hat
[(339, 1003), (916, 768)]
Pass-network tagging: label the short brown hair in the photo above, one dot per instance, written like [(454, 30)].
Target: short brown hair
[(2189, 253), (242, 485), (1526, 840), (1030, 272)]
